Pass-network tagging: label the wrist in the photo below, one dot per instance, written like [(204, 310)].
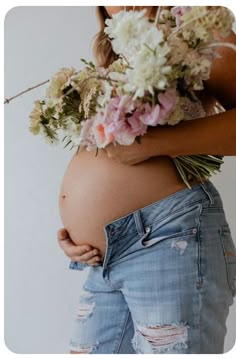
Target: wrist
[(156, 141)]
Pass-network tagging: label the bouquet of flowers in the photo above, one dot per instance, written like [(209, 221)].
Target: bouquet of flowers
[(161, 65)]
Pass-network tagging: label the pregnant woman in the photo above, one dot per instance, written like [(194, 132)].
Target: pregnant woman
[(161, 258)]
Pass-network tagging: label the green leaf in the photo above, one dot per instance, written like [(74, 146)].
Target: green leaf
[(88, 63), (67, 143), (198, 166)]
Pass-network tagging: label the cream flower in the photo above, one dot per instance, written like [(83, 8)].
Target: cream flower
[(35, 118), (176, 116), (149, 71), (118, 65), (179, 50), (106, 94), (199, 68), (73, 131), (58, 82), (193, 13)]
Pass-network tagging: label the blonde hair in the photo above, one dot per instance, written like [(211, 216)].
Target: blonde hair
[(102, 49)]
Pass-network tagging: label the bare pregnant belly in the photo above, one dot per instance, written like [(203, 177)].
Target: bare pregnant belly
[(98, 190)]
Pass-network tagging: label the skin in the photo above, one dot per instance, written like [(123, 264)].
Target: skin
[(212, 135)]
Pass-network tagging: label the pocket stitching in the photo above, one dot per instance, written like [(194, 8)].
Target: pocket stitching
[(177, 211), (198, 206), (188, 232)]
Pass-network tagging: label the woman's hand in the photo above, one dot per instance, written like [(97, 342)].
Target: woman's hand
[(131, 154), (83, 253)]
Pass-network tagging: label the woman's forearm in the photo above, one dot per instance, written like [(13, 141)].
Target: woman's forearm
[(212, 135)]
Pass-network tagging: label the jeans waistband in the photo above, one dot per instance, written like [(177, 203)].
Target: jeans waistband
[(140, 219)]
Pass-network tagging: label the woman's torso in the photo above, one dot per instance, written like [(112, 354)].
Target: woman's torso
[(96, 190)]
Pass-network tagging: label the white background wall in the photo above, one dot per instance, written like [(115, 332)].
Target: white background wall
[(41, 293)]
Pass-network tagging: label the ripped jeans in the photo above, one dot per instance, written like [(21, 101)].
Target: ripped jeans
[(166, 282)]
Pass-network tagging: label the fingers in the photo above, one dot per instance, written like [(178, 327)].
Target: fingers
[(79, 253), (91, 257), (95, 261), (110, 149), (73, 251)]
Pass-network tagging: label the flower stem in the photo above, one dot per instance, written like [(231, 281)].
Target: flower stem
[(7, 100)]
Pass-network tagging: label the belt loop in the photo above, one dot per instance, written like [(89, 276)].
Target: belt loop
[(138, 222), (204, 187)]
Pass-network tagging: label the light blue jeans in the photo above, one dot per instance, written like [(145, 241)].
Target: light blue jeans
[(166, 282)]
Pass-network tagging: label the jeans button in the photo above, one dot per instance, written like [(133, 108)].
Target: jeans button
[(147, 229)]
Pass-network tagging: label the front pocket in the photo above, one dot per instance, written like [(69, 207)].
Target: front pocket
[(180, 223), (229, 251)]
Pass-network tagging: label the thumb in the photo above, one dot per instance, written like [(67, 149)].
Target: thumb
[(62, 234)]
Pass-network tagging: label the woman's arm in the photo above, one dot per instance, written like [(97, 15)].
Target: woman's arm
[(222, 81), (214, 134)]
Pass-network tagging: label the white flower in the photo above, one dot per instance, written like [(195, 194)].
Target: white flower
[(152, 36), (129, 31), (149, 71), (125, 29)]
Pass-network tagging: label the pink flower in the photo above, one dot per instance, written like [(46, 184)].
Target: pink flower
[(119, 122), (122, 132), (117, 107), (114, 125), (102, 135), (151, 114), (86, 134), (158, 114), (137, 127)]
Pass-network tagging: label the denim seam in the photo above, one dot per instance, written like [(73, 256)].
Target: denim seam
[(208, 193), (139, 222), (189, 204), (123, 332), (199, 319), (199, 259), (222, 233)]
